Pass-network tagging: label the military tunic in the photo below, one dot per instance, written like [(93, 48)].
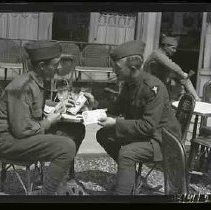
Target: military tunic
[(146, 108), (161, 66), (26, 136), (21, 107)]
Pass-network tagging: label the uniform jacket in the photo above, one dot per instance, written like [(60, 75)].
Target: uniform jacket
[(21, 107), (145, 105), (163, 67), (159, 65)]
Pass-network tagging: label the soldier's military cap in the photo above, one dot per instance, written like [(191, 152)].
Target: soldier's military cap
[(135, 47), (169, 40), (43, 50)]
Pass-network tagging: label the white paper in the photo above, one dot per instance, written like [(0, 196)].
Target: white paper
[(72, 118), (93, 116), (49, 109)]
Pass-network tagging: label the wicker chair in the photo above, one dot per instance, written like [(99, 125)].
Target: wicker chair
[(200, 155), (95, 56), (183, 114), (10, 51), (71, 49), (28, 185), (174, 163)]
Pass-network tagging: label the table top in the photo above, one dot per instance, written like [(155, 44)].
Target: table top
[(201, 108), (11, 65), (94, 69)]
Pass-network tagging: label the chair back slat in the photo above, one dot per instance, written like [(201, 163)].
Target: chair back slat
[(10, 51), (175, 174), (206, 98), (207, 92), (184, 113), (71, 49), (95, 56)]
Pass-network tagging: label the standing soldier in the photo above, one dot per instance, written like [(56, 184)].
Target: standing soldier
[(146, 109), (160, 65)]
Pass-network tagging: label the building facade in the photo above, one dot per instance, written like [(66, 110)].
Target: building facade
[(192, 28)]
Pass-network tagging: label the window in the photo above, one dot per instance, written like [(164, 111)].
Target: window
[(113, 28)]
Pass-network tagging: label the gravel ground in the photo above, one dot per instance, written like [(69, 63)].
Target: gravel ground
[(98, 175)]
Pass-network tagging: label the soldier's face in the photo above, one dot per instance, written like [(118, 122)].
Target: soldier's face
[(121, 70), (51, 68), (170, 50)]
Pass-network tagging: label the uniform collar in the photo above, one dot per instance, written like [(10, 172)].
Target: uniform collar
[(137, 80), (37, 79)]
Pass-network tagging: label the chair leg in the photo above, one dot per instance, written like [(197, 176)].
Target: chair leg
[(193, 151), (191, 160), (138, 175), (28, 179), (146, 185), (19, 179), (3, 176), (202, 158), (150, 171), (135, 190), (42, 165)]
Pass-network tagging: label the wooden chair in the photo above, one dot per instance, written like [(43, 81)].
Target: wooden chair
[(200, 147), (28, 185), (183, 114), (174, 164)]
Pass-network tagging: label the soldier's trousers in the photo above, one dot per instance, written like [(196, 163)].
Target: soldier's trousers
[(75, 131), (126, 154), (58, 149)]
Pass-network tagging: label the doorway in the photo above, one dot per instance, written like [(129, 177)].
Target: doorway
[(187, 27), (71, 26)]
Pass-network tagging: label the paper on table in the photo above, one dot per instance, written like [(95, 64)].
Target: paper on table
[(72, 118), (93, 116), (49, 109), (88, 117)]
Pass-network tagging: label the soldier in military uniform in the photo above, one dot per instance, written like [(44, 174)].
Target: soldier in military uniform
[(24, 134), (160, 65), (145, 108)]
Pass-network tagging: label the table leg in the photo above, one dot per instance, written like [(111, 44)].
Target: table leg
[(193, 146), (195, 127), (5, 74), (193, 152)]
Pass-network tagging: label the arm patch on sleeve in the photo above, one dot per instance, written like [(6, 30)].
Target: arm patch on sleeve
[(155, 89)]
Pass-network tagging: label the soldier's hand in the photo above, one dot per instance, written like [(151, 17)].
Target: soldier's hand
[(60, 108), (70, 102), (90, 99), (107, 121), (54, 117)]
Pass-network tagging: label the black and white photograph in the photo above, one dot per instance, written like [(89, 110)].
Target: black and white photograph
[(107, 102)]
